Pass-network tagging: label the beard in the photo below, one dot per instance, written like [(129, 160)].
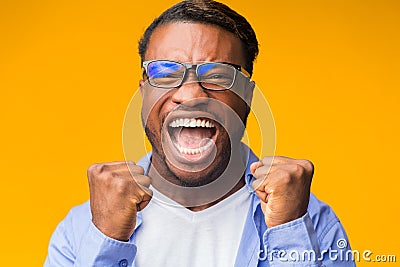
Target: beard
[(183, 178)]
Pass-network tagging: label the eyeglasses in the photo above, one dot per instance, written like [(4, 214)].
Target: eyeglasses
[(169, 74)]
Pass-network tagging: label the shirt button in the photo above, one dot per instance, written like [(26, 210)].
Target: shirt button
[(123, 263)]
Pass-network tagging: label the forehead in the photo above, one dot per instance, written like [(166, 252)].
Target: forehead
[(194, 42)]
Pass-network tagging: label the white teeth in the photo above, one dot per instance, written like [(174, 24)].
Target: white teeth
[(194, 151), (192, 123), (186, 122)]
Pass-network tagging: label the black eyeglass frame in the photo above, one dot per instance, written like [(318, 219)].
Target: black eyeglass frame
[(189, 66)]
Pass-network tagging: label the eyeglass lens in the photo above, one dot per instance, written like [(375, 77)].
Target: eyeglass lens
[(169, 74)]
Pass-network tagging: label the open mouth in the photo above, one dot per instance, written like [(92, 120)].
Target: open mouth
[(194, 138)]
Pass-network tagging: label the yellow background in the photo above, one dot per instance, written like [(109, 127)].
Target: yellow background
[(329, 69)]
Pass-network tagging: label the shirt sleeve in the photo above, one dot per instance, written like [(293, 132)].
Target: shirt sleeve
[(93, 248), (296, 244)]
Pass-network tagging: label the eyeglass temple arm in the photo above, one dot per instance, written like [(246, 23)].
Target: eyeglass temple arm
[(245, 72)]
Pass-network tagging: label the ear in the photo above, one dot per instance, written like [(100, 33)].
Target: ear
[(141, 83)]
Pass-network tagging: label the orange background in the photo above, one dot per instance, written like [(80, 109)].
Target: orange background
[(329, 69)]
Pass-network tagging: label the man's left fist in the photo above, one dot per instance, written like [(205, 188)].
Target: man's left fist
[(283, 186)]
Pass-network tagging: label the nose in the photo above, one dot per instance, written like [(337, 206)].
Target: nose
[(190, 90)]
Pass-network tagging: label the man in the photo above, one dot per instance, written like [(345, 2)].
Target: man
[(201, 198)]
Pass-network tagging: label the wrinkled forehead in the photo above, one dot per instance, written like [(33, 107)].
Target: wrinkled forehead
[(194, 42)]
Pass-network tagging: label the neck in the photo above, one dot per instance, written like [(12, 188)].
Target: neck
[(236, 188)]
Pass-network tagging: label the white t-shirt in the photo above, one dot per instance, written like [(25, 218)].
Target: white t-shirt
[(173, 236)]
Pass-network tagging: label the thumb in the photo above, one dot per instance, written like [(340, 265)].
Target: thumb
[(254, 166)]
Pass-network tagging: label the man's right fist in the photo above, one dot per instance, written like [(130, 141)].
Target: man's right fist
[(116, 196)]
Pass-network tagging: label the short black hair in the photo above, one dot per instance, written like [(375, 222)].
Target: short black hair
[(207, 12)]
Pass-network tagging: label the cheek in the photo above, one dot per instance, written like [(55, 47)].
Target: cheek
[(241, 109), (149, 115), (153, 104), (232, 100)]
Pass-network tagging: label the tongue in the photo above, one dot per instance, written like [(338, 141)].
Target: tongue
[(193, 137)]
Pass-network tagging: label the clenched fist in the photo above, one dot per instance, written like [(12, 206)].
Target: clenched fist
[(283, 186), (116, 196)]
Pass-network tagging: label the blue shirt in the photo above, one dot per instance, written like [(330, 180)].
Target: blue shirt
[(316, 239)]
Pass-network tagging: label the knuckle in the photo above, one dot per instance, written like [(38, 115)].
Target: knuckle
[(105, 167), (91, 168), (310, 166), (284, 177), (307, 164), (94, 168), (94, 173), (300, 170), (114, 174)]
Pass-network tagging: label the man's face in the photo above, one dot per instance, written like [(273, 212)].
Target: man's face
[(198, 154)]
